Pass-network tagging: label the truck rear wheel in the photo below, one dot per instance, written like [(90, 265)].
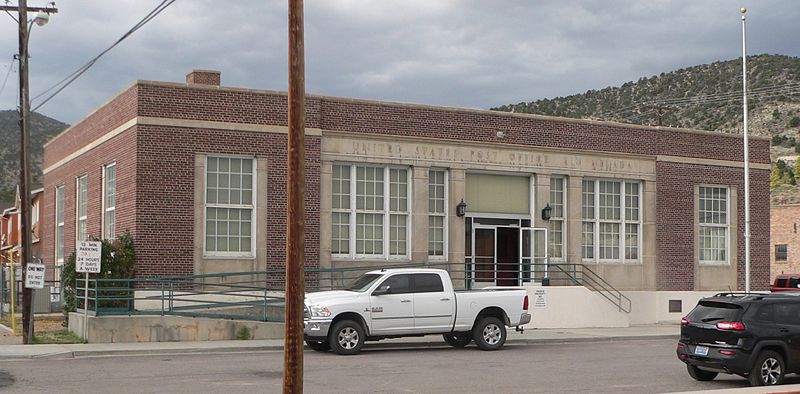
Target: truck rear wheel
[(347, 337), (457, 339), (489, 333)]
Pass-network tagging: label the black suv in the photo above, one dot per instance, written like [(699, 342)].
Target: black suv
[(756, 336)]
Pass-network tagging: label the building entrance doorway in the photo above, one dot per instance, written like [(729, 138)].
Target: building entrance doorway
[(505, 253)]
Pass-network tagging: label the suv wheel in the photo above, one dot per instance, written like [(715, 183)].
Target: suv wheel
[(768, 370), (347, 337), (699, 374), (489, 333)]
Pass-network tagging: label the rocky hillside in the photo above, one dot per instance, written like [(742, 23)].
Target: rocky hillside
[(42, 129), (706, 97)]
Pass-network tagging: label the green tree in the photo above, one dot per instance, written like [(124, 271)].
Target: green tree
[(795, 121), (774, 177)]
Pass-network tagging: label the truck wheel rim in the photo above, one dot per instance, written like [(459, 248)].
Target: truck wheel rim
[(491, 334), (770, 371), (348, 338)]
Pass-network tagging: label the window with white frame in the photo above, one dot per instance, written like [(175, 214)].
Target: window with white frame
[(556, 225), (611, 215), (437, 214), (229, 206), (109, 200), (59, 226), (713, 234), (81, 191), (370, 211)]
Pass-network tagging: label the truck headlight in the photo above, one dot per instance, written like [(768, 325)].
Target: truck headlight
[(319, 311)]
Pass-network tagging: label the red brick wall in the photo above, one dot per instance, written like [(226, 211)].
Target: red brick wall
[(160, 198), (122, 149), (106, 118), (784, 230), (675, 229), (165, 194)]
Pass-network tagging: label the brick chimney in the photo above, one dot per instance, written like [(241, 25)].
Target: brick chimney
[(203, 77)]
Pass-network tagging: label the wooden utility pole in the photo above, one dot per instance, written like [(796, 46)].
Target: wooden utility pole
[(24, 173), (24, 184), (295, 286), (660, 111)]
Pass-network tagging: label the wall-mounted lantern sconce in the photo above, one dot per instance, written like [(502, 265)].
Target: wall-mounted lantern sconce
[(547, 212), (461, 209)]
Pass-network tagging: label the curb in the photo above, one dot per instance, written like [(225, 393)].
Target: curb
[(275, 347)]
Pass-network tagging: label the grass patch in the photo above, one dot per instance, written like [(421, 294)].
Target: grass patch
[(56, 336), (47, 330)]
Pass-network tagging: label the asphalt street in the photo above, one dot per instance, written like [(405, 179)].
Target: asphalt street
[(623, 366)]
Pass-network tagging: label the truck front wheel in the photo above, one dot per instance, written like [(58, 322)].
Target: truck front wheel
[(458, 339), (489, 333), (347, 337)]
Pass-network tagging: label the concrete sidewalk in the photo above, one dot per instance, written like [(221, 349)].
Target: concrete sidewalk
[(514, 338)]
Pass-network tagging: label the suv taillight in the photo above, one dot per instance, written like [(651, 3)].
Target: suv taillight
[(684, 321), (731, 325), (525, 304)]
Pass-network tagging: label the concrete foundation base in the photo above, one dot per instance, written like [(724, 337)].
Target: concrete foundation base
[(110, 329)]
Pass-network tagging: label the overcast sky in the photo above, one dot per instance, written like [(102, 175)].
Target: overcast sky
[(461, 53)]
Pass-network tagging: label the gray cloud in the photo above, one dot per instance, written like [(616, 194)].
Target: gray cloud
[(464, 53)]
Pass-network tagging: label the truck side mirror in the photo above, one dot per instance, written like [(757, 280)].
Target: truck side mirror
[(382, 291)]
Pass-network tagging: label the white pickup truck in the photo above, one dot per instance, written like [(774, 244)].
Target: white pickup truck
[(405, 302)]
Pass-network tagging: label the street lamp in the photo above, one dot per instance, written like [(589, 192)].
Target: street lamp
[(24, 122)]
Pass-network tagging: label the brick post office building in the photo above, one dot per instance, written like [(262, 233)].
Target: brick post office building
[(197, 173)]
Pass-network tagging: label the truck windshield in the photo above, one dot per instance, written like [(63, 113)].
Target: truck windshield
[(363, 283)]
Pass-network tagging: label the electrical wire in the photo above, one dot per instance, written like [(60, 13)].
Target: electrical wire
[(5, 80), (69, 79)]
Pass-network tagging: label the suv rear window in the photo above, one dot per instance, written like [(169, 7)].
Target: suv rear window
[(708, 311)]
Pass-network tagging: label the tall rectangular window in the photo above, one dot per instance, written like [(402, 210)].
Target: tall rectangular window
[(109, 200), (713, 231), (611, 220), (437, 214), (557, 203), (59, 226), (781, 253), (81, 191), (370, 211), (229, 206)]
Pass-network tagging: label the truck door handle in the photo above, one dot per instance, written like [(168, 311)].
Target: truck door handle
[(784, 330), (405, 300), (444, 299)]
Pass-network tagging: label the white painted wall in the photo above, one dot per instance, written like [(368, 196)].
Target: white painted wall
[(572, 307), (579, 307)]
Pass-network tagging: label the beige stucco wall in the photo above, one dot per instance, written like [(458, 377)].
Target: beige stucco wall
[(422, 154)]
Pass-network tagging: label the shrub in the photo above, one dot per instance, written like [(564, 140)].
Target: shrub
[(243, 333), (795, 121), (116, 262)]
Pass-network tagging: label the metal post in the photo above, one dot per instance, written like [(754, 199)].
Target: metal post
[(13, 288), (295, 286), (746, 159), (86, 309)]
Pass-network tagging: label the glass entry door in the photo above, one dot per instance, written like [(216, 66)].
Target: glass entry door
[(507, 255)]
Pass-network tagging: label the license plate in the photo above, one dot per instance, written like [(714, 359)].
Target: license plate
[(701, 350)]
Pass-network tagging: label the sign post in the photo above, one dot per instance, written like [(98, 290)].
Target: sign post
[(87, 259)]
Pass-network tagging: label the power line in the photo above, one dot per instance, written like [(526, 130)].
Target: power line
[(10, 66), (69, 79), (763, 92)]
